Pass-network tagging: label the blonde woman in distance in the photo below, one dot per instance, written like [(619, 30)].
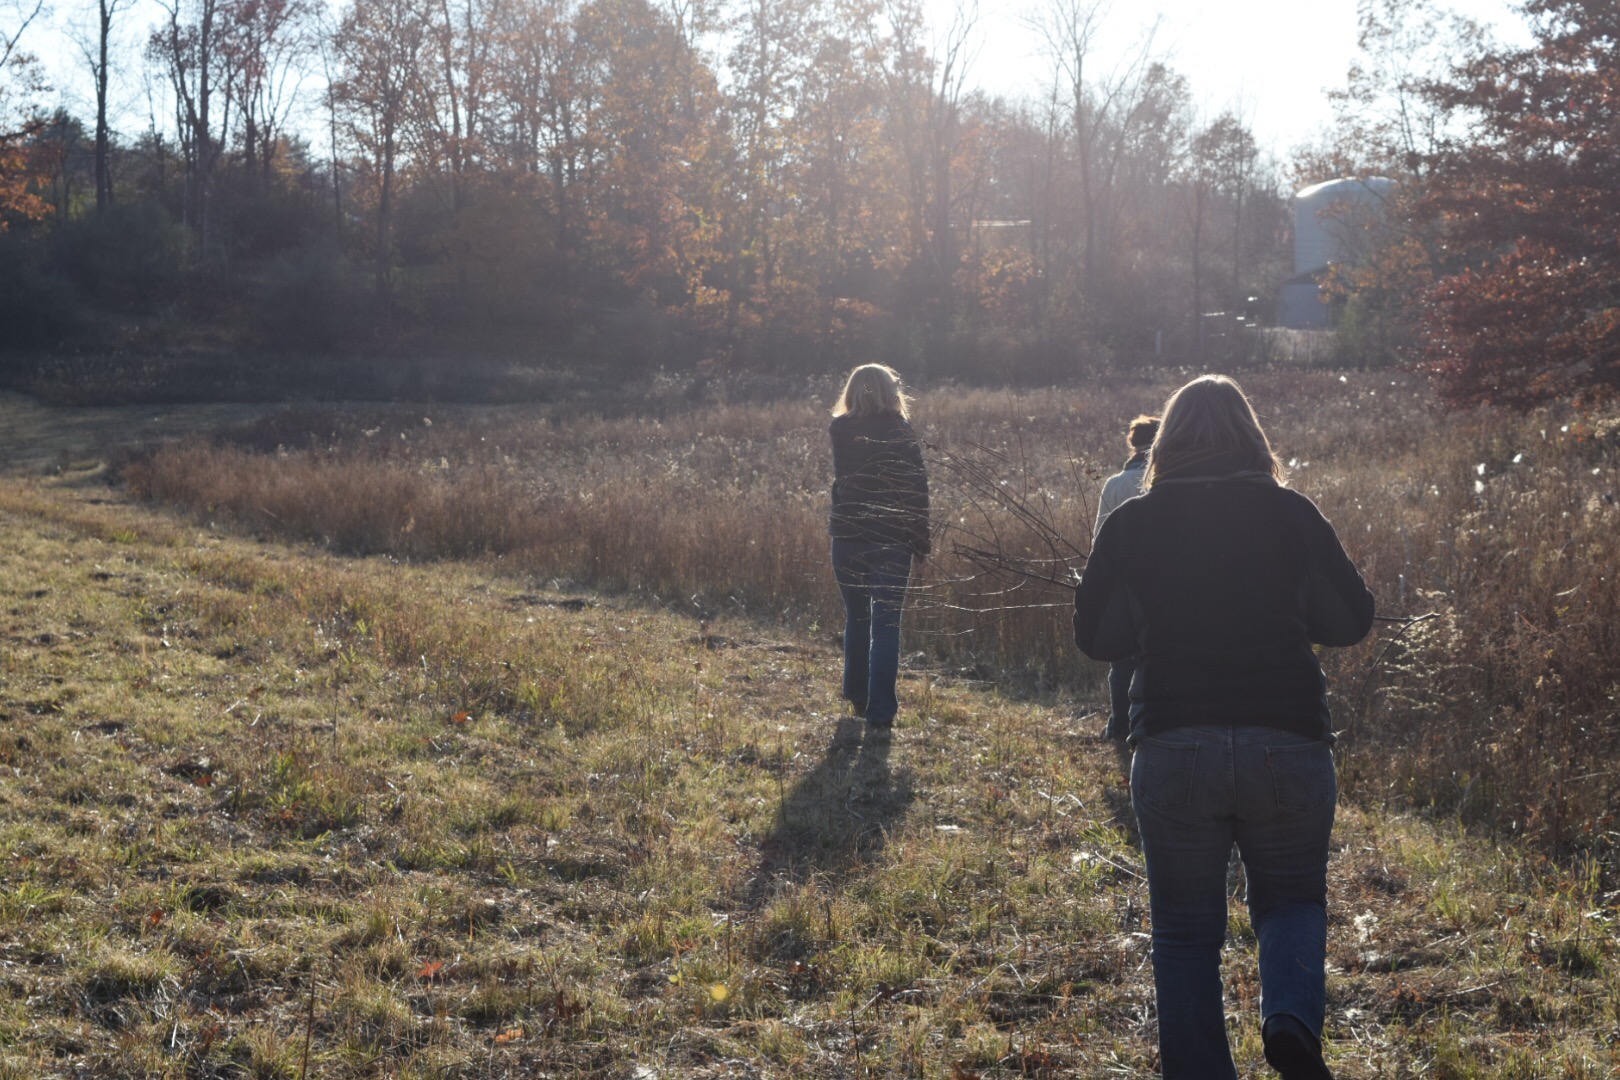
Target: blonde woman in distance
[(879, 529)]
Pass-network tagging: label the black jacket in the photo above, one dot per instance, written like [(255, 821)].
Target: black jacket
[(1221, 585), (880, 489)]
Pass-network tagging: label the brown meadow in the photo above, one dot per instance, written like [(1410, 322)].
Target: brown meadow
[(524, 757), (1494, 534)]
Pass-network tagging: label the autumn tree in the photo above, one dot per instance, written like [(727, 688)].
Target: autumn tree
[(1387, 123), (768, 64), (840, 190), (454, 94), (1527, 199), (1007, 173), (1378, 295), (1119, 155), (923, 100), (380, 46), (648, 107), (536, 141), (19, 85), (1145, 287)]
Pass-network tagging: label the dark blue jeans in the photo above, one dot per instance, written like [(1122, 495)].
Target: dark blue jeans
[(872, 579), (1198, 791)]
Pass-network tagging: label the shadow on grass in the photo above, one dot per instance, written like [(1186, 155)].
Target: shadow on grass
[(836, 818)]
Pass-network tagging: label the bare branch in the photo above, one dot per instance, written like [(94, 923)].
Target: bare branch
[(8, 42)]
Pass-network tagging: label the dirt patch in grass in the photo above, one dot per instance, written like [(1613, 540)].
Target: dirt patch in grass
[(36, 437)]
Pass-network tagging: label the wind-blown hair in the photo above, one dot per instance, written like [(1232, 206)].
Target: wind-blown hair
[(872, 389), (1209, 429), (1141, 433)]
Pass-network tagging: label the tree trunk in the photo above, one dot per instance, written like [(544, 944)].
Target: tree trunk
[(104, 192)]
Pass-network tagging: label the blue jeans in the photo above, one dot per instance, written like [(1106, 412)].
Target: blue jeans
[(1198, 791), (872, 579)]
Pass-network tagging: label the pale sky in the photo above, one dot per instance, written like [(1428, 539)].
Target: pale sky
[(1271, 62)]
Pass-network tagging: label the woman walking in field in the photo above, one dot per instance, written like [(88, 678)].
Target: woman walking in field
[(1219, 580), (1125, 484), (879, 526)]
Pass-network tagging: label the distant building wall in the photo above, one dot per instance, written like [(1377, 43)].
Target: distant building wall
[(1328, 223), (1300, 306)]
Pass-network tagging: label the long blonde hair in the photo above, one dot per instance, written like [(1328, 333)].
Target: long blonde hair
[(1209, 425), (872, 389)]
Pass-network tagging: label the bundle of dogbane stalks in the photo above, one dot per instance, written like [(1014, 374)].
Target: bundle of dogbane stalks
[(1017, 553)]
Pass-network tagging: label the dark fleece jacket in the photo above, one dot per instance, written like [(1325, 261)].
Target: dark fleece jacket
[(880, 488), (1221, 585)]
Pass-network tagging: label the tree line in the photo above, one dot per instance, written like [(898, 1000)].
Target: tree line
[(1496, 267), (779, 184), (790, 185)]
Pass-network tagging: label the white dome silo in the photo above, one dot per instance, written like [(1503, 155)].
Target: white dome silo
[(1328, 216)]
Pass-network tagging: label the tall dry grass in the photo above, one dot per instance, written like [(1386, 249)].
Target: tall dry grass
[(1497, 705)]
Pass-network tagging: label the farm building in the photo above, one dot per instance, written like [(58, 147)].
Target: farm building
[(1332, 223)]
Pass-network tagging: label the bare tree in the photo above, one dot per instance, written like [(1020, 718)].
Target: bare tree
[(1101, 105), (187, 45), (945, 96), (451, 92), (96, 49), (267, 43), (1220, 161), (1384, 121), (16, 66)]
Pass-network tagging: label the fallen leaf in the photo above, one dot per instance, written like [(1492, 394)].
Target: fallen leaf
[(509, 1035), (430, 969)]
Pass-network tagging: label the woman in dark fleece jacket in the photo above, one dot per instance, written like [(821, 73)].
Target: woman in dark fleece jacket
[(879, 524), (1220, 580)]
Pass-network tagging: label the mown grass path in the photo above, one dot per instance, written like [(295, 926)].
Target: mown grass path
[(266, 812)]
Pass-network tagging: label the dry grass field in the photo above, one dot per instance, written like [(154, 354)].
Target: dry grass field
[(1500, 534), (379, 743)]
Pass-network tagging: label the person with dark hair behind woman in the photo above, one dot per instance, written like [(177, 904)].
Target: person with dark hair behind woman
[(1125, 484), (1220, 580), (879, 525)]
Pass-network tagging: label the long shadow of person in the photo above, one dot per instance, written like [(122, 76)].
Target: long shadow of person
[(837, 816)]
